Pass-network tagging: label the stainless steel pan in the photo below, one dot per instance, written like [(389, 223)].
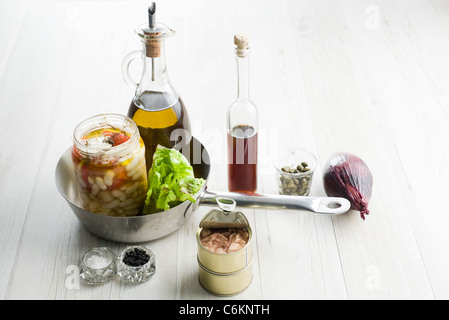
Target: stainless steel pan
[(150, 227)]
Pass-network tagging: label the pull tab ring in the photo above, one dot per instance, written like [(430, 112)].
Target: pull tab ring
[(226, 204)]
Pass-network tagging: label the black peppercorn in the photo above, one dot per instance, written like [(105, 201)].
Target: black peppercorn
[(136, 257)]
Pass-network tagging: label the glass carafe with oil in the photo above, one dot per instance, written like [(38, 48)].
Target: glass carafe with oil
[(156, 107)]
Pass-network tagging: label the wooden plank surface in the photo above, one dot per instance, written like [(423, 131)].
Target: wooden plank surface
[(367, 77)]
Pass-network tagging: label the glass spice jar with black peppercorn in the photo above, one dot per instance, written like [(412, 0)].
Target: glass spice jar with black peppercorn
[(136, 264)]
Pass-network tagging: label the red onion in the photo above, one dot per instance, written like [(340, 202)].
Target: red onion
[(346, 175)]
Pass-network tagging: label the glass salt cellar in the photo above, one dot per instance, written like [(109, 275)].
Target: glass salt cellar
[(98, 266)]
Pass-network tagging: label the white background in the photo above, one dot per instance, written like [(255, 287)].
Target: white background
[(365, 76)]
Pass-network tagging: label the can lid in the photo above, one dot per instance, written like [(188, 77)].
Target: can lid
[(224, 218)]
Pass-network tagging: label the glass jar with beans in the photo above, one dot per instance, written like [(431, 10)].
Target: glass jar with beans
[(295, 169), (109, 162)]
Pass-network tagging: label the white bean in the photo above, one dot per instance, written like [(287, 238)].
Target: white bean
[(137, 175), (100, 183), (132, 206), (111, 204), (141, 197), (119, 194), (105, 196), (95, 190), (132, 164), (126, 202), (84, 197), (132, 188), (131, 172), (93, 205), (108, 178)]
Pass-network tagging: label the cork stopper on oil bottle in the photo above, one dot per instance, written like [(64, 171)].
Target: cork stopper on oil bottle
[(153, 34), (153, 45)]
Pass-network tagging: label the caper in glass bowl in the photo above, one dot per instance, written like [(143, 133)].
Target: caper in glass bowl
[(294, 171)]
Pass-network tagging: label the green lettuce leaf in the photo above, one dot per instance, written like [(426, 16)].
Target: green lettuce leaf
[(171, 181)]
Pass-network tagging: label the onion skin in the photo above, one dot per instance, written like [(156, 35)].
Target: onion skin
[(346, 175)]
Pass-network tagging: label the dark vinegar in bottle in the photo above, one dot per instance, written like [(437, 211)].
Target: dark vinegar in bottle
[(242, 159)]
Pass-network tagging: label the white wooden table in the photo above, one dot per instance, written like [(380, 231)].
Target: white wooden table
[(365, 76)]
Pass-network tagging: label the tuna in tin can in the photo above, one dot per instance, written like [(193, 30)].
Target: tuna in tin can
[(224, 239)]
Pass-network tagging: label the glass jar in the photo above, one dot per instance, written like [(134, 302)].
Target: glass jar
[(109, 160), (295, 168), (136, 264), (98, 266)]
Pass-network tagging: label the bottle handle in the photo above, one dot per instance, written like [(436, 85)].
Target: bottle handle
[(125, 67)]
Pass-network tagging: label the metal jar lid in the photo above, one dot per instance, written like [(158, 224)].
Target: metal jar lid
[(224, 218)]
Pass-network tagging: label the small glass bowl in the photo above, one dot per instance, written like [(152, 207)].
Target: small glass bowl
[(98, 266), (136, 274), (295, 183)]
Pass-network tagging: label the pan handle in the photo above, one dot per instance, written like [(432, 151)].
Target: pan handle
[(322, 205)]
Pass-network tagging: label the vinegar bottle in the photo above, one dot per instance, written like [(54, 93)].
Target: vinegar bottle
[(156, 108), (242, 128)]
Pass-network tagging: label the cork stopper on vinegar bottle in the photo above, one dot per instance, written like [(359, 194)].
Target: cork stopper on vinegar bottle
[(242, 45)]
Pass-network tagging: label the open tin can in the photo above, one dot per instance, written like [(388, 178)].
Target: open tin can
[(225, 271)]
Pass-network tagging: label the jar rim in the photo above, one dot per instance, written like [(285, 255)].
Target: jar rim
[(97, 251), (100, 121), (296, 153)]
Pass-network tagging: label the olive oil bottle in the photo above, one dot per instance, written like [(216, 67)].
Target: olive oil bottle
[(156, 107)]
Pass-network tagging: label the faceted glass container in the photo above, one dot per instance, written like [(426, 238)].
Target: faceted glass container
[(136, 274), (98, 266)]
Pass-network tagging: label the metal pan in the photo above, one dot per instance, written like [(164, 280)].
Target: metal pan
[(154, 226)]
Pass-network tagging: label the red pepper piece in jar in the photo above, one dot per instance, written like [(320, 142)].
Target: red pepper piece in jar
[(117, 138), (79, 162), (120, 177)]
